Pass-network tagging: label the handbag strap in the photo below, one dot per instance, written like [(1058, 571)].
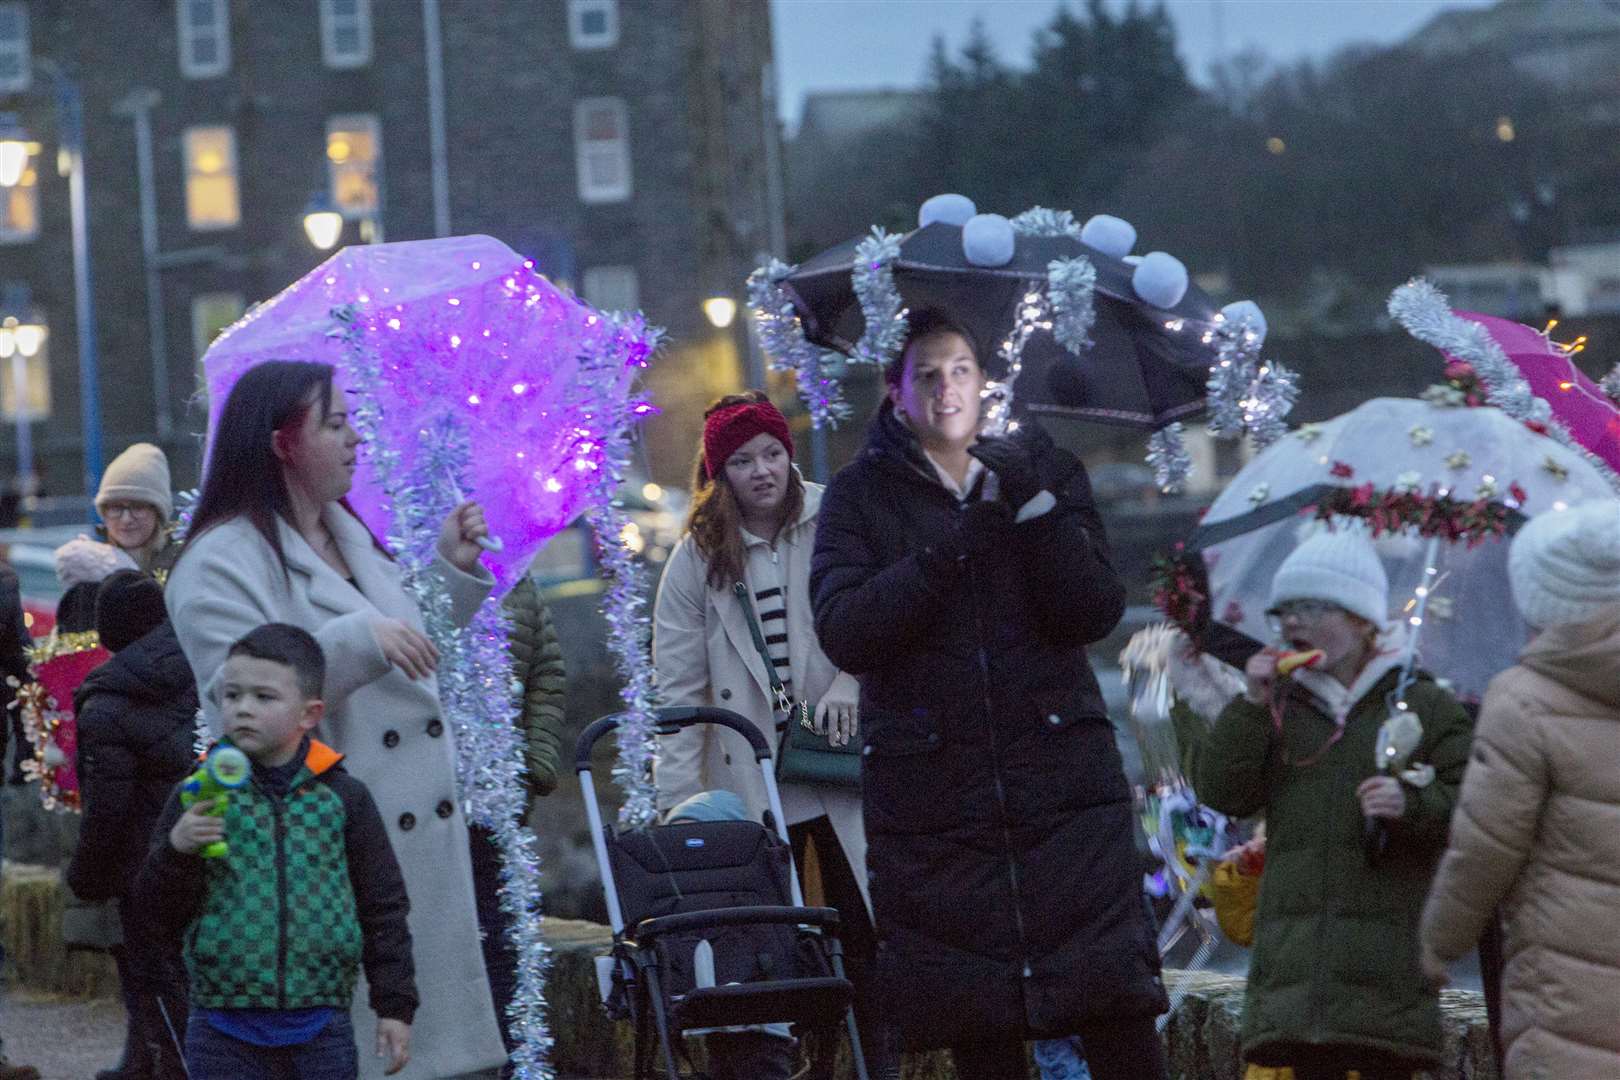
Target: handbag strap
[(783, 702)]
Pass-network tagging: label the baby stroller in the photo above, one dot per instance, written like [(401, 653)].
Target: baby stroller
[(730, 884)]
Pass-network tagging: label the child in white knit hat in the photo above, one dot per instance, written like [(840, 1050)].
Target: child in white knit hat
[(1538, 826), (1335, 987)]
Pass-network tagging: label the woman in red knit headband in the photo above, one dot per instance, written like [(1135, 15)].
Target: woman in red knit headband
[(753, 520)]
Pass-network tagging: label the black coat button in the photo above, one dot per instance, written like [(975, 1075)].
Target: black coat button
[(725, 695), (390, 738), (407, 822), (435, 728), (444, 809)]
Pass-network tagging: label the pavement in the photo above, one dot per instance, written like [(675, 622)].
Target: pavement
[(64, 1039)]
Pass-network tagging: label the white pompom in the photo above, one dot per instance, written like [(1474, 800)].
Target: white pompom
[(1239, 310), (988, 240), (950, 208), (1160, 279), (1109, 235)]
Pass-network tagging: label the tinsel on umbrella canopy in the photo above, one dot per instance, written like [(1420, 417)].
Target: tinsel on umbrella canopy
[(467, 371), (1520, 369), (1410, 470), (1084, 329)]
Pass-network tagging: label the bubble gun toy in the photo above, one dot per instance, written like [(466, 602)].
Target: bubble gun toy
[(225, 770)]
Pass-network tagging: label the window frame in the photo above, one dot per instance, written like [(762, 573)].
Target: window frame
[(23, 46), (330, 55), (372, 123), (190, 172), (586, 149), (186, 36), (582, 40)]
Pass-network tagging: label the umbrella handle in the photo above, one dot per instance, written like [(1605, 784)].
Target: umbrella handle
[(491, 544)]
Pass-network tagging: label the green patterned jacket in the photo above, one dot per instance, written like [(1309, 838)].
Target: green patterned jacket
[(308, 892)]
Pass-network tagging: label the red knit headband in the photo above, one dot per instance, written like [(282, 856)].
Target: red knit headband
[(727, 429)]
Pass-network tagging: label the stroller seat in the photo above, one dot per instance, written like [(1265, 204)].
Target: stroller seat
[(709, 929)]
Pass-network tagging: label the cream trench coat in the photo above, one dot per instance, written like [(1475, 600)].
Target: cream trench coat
[(393, 738), (705, 655)]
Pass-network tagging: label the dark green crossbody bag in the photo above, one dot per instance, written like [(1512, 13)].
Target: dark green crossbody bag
[(802, 756)]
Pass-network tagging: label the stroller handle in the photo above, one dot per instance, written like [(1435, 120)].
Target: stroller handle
[(673, 719), (737, 916)]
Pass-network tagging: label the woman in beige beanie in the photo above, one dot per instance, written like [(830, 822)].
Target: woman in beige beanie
[(136, 503)]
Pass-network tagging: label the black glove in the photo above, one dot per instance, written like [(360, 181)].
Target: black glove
[(1012, 459), (981, 531)]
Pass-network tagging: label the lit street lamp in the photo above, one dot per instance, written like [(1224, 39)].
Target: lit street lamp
[(21, 345), (15, 150), (323, 224), (720, 310)]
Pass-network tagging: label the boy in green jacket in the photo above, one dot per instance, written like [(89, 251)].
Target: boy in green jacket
[(1335, 987), (277, 928)]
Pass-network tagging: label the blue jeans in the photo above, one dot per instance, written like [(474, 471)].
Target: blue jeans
[(331, 1055)]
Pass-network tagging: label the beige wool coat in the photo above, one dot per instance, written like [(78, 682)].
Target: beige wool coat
[(392, 734), (705, 655), (1538, 831)]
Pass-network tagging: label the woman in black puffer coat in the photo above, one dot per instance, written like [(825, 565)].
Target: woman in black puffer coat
[(137, 727), (960, 579)]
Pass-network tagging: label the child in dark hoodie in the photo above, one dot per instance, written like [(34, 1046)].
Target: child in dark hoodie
[(136, 715)]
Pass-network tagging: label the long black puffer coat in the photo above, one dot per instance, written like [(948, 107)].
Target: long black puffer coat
[(1003, 872), (137, 717)]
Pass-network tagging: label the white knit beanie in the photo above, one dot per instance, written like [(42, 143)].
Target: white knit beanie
[(83, 559), (139, 474), (1564, 567), (1338, 565)]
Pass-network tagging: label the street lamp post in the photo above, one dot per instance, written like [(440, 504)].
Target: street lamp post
[(70, 144), (20, 343)]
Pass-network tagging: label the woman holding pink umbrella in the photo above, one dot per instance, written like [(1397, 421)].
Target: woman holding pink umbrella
[(273, 540)]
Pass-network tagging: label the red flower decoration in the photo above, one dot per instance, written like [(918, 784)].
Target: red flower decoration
[(1518, 493), (1342, 470), (1536, 426)]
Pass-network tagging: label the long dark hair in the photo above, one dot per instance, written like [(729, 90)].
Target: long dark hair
[(244, 476), (714, 521)]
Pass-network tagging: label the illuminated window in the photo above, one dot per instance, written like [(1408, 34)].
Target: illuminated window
[(205, 38), (593, 24), (211, 313), (346, 33), (602, 150), (16, 63), (612, 288), (212, 200), (353, 157), (20, 221)]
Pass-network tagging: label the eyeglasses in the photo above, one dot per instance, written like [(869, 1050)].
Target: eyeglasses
[(130, 510), (1299, 611)]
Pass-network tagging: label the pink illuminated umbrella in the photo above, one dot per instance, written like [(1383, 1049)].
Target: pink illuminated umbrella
[(1525, 373), (1591, 418), (463, 330)]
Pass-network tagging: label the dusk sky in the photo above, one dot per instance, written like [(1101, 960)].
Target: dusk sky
[(862, 44)]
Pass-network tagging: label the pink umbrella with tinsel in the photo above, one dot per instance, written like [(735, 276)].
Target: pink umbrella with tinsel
[(461, 330), (1501, 352)]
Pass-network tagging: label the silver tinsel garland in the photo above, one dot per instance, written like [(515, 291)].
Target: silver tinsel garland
[(1071, 290), (1039, 221), (781, 335), (625, 605), (1032, 315), (475, 679), (1167, 453), (1427, 316), (1246, 393), (873, 280)]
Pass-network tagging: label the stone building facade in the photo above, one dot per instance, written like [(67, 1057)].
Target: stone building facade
[(628, 146)]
